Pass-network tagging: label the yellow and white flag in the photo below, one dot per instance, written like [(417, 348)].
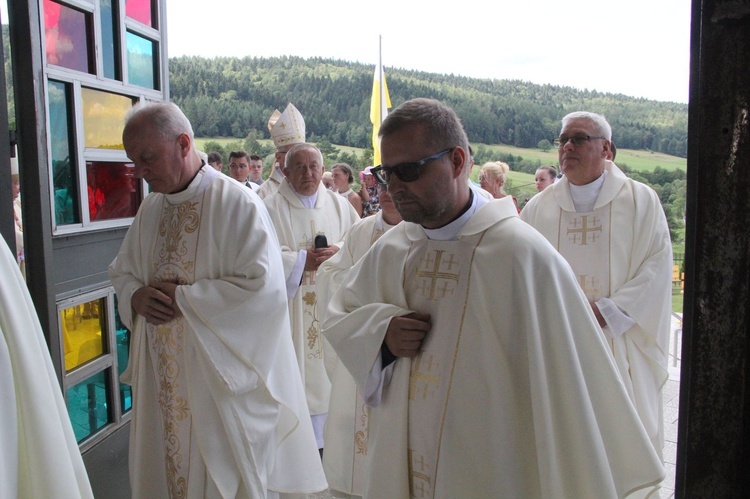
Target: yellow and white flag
[(379, 105)]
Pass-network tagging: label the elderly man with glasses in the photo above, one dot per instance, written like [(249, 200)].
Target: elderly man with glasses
[(470, 339), (613, 232), (311, 223)]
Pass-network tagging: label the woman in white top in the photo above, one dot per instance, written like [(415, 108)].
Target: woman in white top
[(343, 177)]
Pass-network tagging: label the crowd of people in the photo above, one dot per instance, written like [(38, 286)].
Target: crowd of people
[(418, 337)]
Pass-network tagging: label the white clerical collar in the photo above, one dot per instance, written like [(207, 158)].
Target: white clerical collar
[(308, 201), (450, 232), (585, 196)]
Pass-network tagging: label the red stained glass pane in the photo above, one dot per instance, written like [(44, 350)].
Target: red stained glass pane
[(67, 37), (140, 10), (113, 191)]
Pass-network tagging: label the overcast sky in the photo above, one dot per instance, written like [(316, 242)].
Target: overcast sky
[(639, 48), (635, 47)]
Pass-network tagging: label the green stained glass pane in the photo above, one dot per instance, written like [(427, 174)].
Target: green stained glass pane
[(68, 37), (104, 118), (141, 61), (64, 178), (87, 405)]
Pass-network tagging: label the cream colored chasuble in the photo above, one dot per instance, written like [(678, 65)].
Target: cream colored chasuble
[(437, 283), (174, 261)]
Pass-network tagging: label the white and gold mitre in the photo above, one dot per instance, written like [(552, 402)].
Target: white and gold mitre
[(288, 127)]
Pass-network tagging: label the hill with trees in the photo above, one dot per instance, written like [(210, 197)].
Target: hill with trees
[(231, 97)]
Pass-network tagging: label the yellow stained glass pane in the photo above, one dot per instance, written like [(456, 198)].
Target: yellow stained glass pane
[(82, 327), (104, 118)]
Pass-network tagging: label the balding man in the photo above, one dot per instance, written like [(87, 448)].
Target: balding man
[(219, 409)]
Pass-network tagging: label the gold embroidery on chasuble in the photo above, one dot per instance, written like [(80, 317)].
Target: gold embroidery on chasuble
[(362, 433), (310, 320), (584, 241), (174, 261), (437, 283)]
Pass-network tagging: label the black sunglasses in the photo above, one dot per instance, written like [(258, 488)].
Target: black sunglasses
[(406, 172)]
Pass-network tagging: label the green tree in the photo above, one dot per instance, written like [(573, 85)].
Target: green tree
[(327, 148), (544, 145)]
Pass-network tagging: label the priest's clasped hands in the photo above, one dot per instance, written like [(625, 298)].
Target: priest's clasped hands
[(316, 256), (156, 303), (405, 334)]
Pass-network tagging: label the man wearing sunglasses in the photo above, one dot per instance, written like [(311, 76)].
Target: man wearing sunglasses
[(473, 344), (613, 232)]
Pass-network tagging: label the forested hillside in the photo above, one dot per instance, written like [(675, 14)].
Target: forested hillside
[(230, 97)]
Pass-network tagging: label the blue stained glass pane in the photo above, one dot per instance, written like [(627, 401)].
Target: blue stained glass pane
[(87, 405), (122, 335), (109, 40), (141, 63)]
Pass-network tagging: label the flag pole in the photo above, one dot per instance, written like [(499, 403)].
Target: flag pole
[(379, 102), (380, 78)]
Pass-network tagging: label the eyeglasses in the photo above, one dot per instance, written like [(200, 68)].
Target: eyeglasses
[(406, 172), (236, 165), (577, 140)]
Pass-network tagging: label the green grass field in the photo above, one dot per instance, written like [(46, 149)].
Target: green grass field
[(637, 160)]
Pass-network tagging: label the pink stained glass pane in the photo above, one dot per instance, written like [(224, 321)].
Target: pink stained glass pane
[(140, 10), (67, 37), (113, 191)]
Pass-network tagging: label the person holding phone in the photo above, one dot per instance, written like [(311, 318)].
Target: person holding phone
[(303, 211)]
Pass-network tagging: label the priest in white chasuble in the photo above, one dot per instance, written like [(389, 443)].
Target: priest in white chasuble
[(470, 338), (219, 407), (613, 232), (303, 212), (347, 425)]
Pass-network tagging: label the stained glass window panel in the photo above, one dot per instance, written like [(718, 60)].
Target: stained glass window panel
[(110, 39), (141, 11), (141, 62), (82, 327), (67, 37), (64, 179), (104, 118), (113, 191), (87, 405)]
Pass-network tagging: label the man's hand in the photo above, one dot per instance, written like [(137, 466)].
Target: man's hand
[(598, 314), (155, 303), (405, 334), (316, 256)]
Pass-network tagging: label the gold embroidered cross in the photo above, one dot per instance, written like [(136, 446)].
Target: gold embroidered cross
[(581, 233), (432, 274), (419, 479), (590, 286), (420, 381), (308, 242)]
